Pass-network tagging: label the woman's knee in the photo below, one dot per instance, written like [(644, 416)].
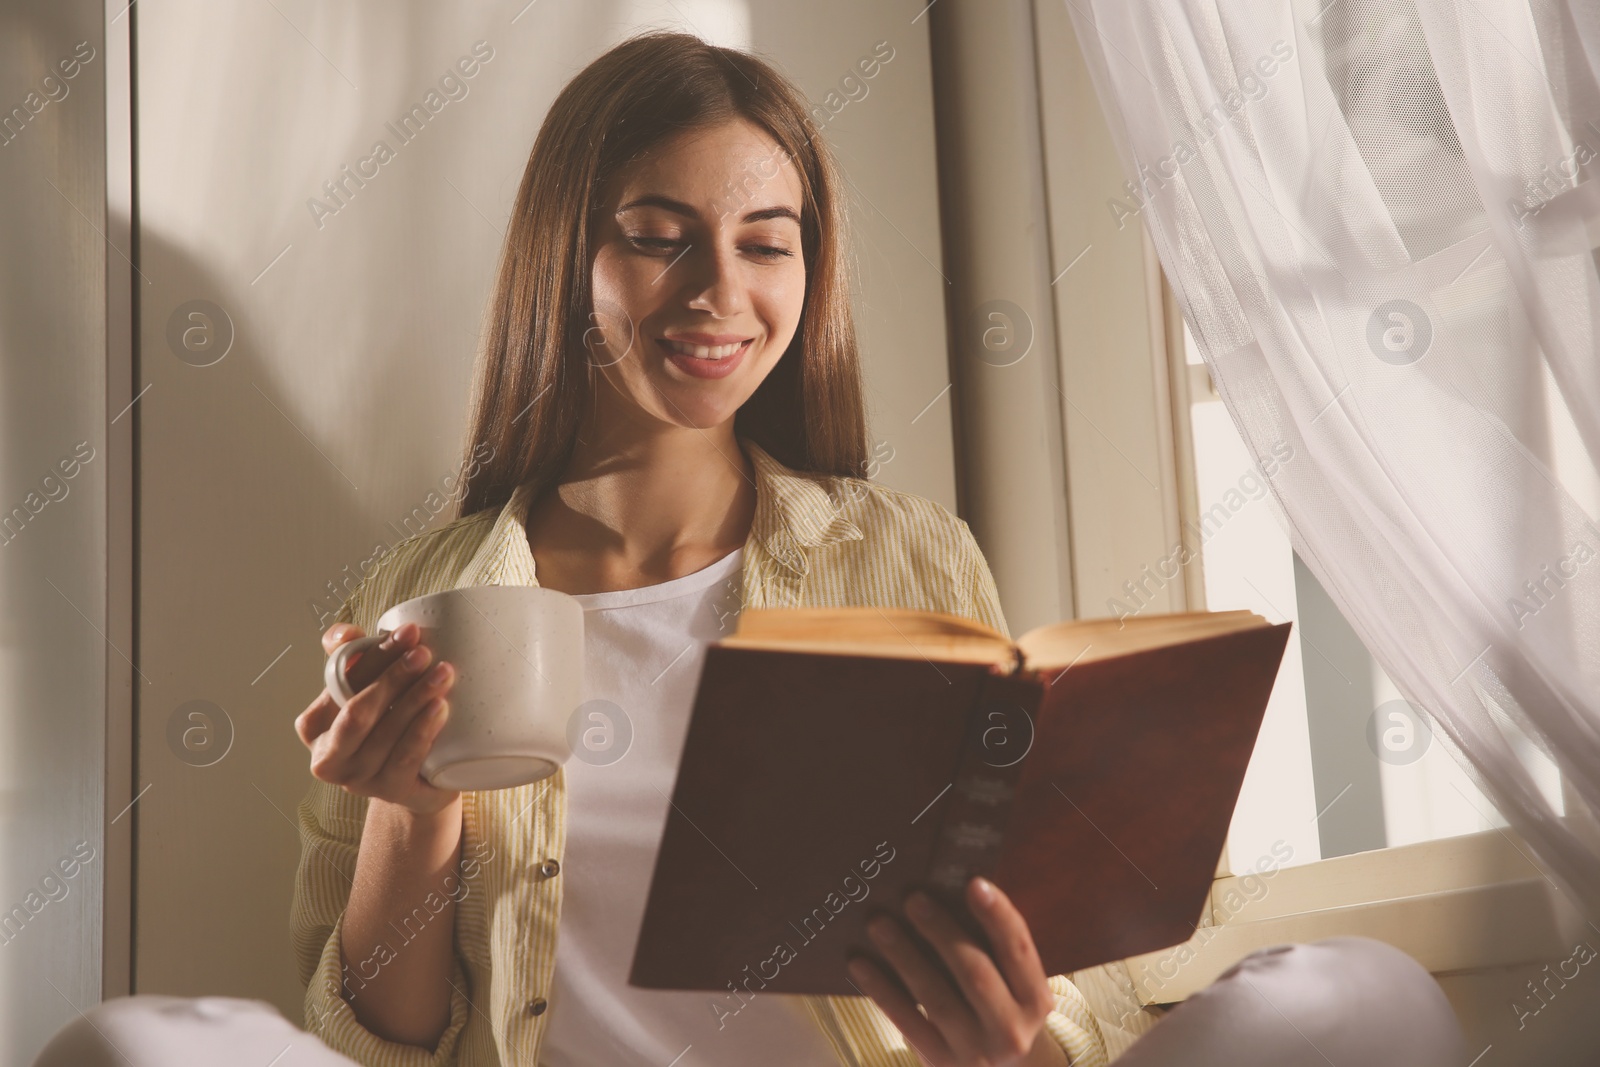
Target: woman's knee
[(1363, 996), (152, 1030)]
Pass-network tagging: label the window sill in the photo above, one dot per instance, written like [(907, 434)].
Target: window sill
[(1459, 904)]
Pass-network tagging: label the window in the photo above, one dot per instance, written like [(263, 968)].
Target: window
[(1344, 764), (1385, 837)]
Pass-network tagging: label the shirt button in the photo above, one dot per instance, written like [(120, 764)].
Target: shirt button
[(536, 1007), (550, 868)]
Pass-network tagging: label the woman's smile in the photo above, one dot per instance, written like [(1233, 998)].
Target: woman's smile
[(705, 345), (704, 360)]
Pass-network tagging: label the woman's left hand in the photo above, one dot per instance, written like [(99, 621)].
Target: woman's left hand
[(992, 1015)]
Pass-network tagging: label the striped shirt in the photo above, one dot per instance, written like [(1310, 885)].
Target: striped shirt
[(816, 541)]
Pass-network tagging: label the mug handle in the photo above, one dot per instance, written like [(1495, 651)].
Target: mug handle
[(333, 673)]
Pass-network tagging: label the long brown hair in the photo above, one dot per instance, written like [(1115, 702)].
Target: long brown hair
[(534, 378)]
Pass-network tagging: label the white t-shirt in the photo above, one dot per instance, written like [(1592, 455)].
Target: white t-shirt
[(643, 649)]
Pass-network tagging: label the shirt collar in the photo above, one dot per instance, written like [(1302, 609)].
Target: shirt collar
[(794, 512)]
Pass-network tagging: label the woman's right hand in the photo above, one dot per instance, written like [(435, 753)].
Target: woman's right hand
[(374, 745)]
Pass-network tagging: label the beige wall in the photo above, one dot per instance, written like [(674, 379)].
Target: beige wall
[(343, 398)]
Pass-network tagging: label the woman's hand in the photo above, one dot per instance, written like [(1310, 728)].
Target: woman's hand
[(374, 746), (990, 1016)]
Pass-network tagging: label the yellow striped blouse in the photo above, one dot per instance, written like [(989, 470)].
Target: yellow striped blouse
[(816, 540)]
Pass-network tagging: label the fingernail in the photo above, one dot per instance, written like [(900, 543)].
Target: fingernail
[(983, 889), (881, 931), (416, 657), (858, 968), (918, 906)]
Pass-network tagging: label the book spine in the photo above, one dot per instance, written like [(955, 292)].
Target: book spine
[(972, 831)]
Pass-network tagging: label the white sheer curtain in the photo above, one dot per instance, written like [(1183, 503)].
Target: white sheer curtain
[(1380, 218)]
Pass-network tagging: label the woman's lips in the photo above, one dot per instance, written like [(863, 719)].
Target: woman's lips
[(726, 357), (703, 348)]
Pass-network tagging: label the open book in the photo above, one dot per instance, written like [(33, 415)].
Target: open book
[(836, 758)]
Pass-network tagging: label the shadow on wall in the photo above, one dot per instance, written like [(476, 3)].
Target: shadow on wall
[(310, 309)]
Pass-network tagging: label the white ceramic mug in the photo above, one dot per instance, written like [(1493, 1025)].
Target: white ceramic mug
[(518, 656)]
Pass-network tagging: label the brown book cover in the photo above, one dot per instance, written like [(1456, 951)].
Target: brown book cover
[(818, 786)]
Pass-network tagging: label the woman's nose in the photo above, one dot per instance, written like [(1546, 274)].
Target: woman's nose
[(715, 283)]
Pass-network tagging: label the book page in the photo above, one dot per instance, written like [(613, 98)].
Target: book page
[(871, 631), (1065, 644)]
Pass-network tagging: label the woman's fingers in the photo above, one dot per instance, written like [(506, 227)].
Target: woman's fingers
[(978, 1006), (890, 995), (1008, 1016), (402, 772), (375, 745), (338, 634), (350, 730), (315, 720), (928, 985), (320, 716), (379, 747), (1014, 950)]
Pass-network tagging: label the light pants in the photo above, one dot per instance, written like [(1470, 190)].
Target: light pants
[(1346, 1001)]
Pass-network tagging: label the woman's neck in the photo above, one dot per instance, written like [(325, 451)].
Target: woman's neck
[(638, 507)]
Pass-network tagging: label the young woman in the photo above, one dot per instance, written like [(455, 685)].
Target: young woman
[(671, 400), (673, 396)]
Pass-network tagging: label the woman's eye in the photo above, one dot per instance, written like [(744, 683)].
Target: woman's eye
[(660, 244), (770, 252)]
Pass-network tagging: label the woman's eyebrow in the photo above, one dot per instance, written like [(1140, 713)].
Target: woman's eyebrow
[(666, 203), (779, 212)]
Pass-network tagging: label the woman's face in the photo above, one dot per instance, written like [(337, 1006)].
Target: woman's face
[(697, 288)]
